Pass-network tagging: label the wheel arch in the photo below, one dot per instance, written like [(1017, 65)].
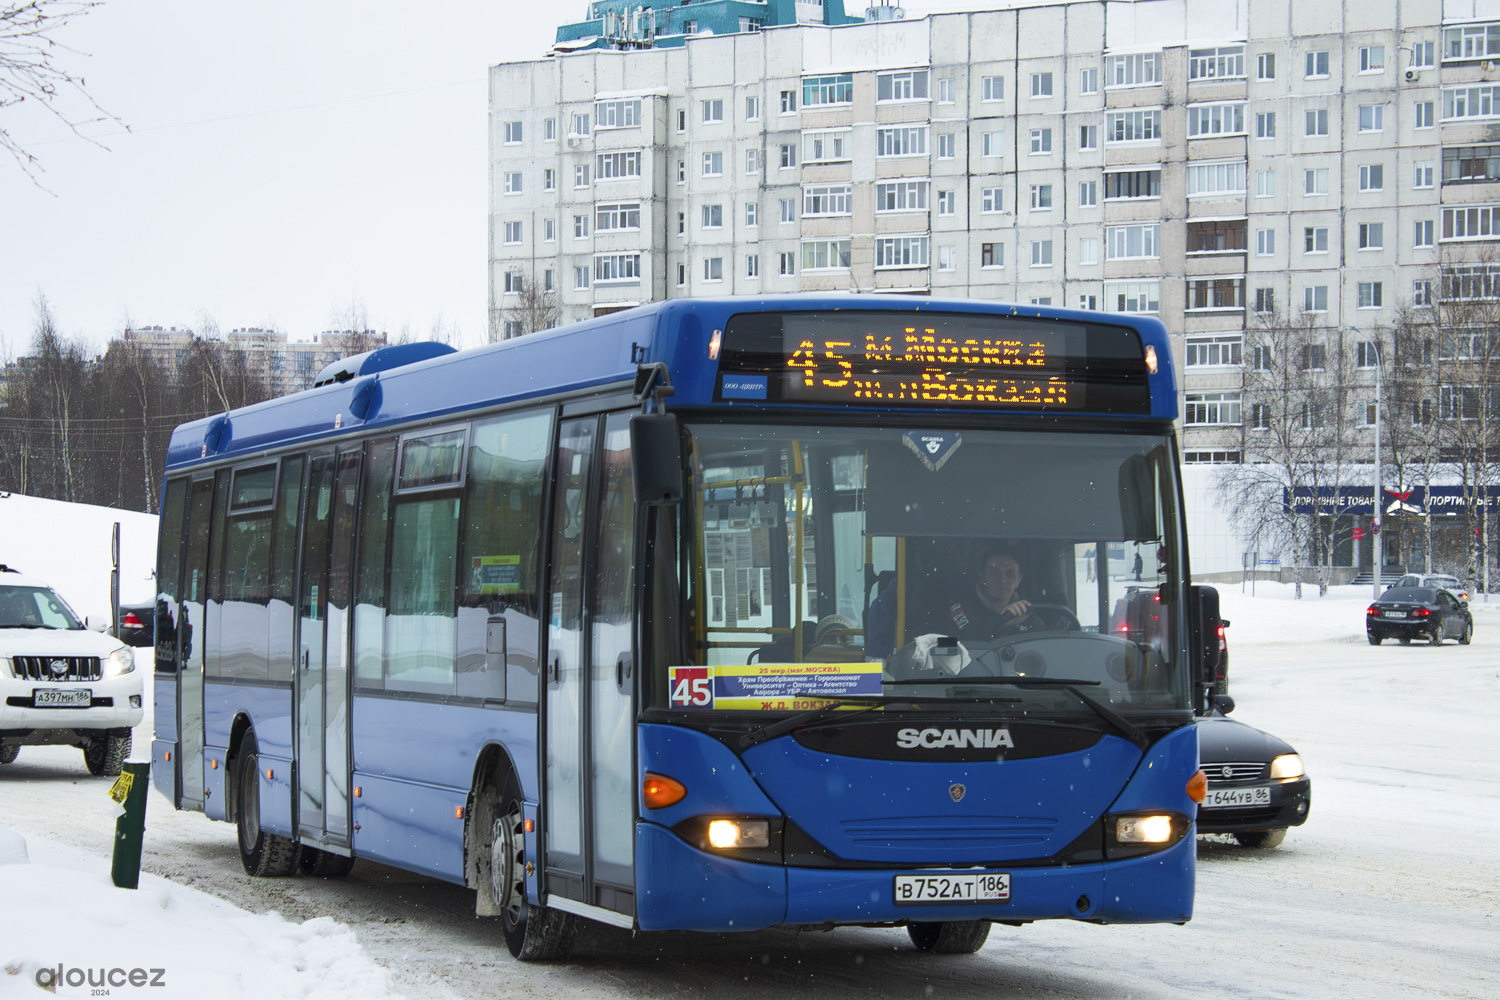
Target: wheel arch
[(491, 767), (237, 730)]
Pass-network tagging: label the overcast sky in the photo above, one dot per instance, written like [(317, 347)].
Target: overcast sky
[(285, 162)]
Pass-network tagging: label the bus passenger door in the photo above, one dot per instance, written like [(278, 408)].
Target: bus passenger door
[(312, 593), (191, 634)]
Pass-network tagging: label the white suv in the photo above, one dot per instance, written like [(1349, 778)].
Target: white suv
[(60, 682)]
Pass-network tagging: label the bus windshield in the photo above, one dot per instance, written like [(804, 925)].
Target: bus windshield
[(821, 561)]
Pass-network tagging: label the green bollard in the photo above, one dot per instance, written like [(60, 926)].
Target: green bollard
[(129, 790)]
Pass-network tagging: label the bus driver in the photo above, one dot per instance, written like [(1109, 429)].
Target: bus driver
[(993, 607)]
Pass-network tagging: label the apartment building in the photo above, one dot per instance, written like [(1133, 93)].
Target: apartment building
[(287, 366), (1213, 164)]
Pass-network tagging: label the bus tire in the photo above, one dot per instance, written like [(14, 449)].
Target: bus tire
[(532, 933), (324, 864), (264, 855), (9, 754), (951, 937)]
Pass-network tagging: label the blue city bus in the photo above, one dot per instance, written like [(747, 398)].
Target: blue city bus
[(683, 618)]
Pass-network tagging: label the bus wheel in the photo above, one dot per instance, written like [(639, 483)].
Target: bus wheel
[(324, 864), (9, 754), (953, 937), (532, 933), (263, 854)]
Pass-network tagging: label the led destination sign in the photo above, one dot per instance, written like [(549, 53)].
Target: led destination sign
[(947, 360)]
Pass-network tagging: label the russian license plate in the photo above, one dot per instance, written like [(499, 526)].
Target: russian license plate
[(1226, 798), (1395, 614), (952, 887), (62, 698)]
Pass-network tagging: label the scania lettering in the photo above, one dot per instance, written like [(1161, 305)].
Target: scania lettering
[(667, 598)]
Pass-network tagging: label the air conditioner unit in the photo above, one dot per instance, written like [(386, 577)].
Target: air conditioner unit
[(1412, 75), (573, 141)]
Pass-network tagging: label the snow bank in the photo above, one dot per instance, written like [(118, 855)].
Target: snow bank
[(75, 918), (67, 544)]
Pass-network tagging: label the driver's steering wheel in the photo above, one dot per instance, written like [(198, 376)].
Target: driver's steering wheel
[(1049, 618)]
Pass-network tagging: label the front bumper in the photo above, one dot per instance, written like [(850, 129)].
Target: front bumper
[(683, 888), (1291, 801), (111, 708)]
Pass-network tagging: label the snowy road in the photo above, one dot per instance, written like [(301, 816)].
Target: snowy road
[(1390, 890)]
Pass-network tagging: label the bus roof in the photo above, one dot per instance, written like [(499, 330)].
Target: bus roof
[(597, 353)]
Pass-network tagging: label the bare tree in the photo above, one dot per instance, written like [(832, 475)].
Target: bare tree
[(30, 71), (533, 308), (351, 333)]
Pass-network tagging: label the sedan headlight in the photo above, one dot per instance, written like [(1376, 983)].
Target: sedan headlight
[(1288, 765), (121, 661)]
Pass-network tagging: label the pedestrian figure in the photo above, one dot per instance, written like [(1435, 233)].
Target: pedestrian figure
[(1138, 566)]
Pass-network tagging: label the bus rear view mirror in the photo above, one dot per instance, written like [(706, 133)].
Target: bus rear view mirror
[(656, 458), (1138, 499)]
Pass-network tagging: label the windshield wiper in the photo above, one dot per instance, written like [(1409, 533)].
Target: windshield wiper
[(807, 718), (18, 625), (1071, 685)]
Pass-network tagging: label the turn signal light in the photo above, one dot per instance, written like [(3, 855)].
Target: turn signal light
[(1197, 787), (659, 791)]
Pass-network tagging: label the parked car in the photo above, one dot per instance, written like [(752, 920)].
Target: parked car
[(1438, 581), (61, 682), (1257, 785), (138, 624), (1408, 613)]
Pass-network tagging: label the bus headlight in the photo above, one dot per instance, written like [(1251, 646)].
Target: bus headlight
[(121, 661), (726, 834), (1288, 765), (1130, 835), (1144, 829)]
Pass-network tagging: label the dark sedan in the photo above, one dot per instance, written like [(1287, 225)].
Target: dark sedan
[(137, 624), (1257, 786), (1408, 613)]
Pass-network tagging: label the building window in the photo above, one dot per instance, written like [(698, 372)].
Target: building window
[(1088, 137), (1372, 59), (901, 141), (827, 199), (512, 133), (947, 258), (1211, 458), (1132, 184), (1139, 70), (752, 161), (682, 127), (513, 232), (713, 164), (1316, 65), (1316, 121), (1372, 177), (1424, 114), (787, 264), (1265, 66), (1088, 80), (752, 109), (945, 90), (1216, 178), (549, 179), (1041, 140), (752, 265), (681, 275), (825, 255), (788, 209), (615, 166), (992, 255), (1372, 117), (822, 90), (1088, 251), (1088, 194), (1041, 300), (752, 211), (1423, 175), (1370, 294), (617, 114), (1219, 236), (1471, 102), (681, 223), (1216, 293), (1265, 302), (826, 147), (682, 171), (1421, 55), (1041, 85), (549, 130), (581, 277), (580, 227), (1132, 296), (1133, 126), (1216, 119), (1471, 41), (1315, 239), (1041, 197), (945, 146), (549, 230), (1366, 354), (1424, 234), (907, 85), (512, 182), (1041, 253), (713, 216), (581, 175), (1265, 242), (901, 251), (1214, 352), (788, 106), (713, 111), (1471, 164), (1315, 298), (945, 203), (1222, 63), (514, 282), (1315, 181), (580, 125), (991, 199), (1265, 183), (992, 88), (1372, 235), (617, 267), (1213, 408), (713, 269), (1421, 293), (1138, 242), (900, 196), (1265, 125)]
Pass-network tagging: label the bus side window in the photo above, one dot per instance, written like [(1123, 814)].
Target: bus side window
[(370, 590), (168, 563)]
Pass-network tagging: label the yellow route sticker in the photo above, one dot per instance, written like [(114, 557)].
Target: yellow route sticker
[(120, 790)]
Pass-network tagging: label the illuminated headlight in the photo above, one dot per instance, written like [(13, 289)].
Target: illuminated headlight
[(121, 661), (1288, 765), (1143, 829), (728, 833)]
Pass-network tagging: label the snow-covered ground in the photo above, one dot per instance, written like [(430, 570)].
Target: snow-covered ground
[(1389, 890)]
